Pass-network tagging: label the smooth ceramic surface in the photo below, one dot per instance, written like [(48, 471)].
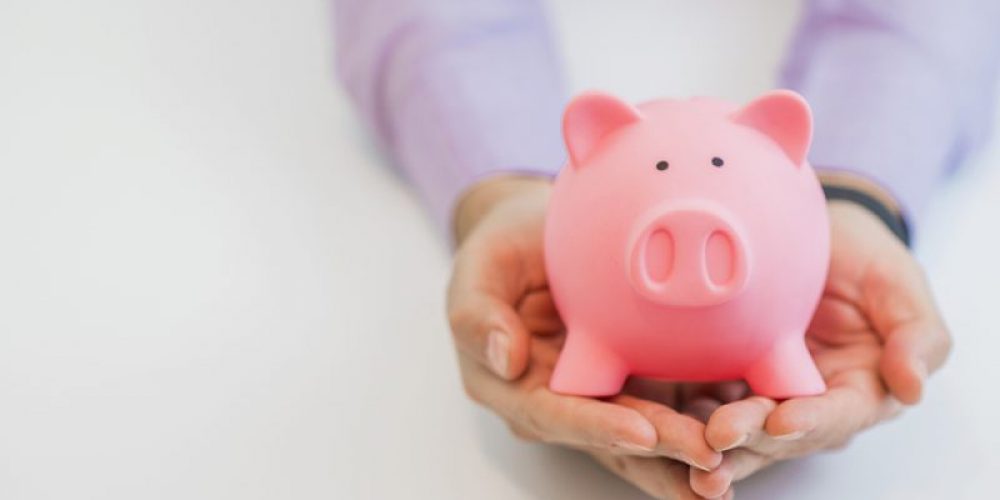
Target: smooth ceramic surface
[(675, 232)]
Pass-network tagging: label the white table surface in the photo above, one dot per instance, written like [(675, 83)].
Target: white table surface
[(211, 287)]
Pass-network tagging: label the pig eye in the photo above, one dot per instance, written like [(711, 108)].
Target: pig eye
[(662, 165), (718, 162)]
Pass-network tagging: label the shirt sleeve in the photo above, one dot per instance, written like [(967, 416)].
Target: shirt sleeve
[(901, 90), (454, 90)]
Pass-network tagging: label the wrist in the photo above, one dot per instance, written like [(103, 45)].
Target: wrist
[(479, 199), (847, 188)]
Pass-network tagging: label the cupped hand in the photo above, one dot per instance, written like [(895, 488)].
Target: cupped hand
[(508, 335), (876, 336)]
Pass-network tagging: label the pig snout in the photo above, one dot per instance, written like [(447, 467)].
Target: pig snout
[(689, 255)]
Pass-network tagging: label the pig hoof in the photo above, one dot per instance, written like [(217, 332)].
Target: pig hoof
[(787, 371), (586, 368)]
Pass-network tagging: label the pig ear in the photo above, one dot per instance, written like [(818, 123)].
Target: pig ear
[(784, 116), (589, 118)]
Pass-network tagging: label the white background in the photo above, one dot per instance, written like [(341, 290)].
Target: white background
[(212, 287)]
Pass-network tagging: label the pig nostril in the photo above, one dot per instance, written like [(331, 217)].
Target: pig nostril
[(659, 255), (719, 258)]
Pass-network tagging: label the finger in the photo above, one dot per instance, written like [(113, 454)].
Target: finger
[(854, 401), (658, 477), (737, 423), (911, 353), (538, 311), (736, 466), (489, 280), (903, 312), (836, 314), (488, 330), (568, 420), (701, 400), (680, 437)]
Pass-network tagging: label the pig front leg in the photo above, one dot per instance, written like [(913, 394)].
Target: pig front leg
[(786, 371), (586, 368)]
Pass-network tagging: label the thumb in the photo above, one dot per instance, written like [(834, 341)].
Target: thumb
[(488, 330), (911, 352), (913, 332), (486, 286)]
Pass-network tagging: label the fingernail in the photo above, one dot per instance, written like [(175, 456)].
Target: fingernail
[(739, 442), (497, 347), (791, 436), (696, 464), (631, 447)]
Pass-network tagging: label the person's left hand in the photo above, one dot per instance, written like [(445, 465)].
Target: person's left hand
[(875, 337)]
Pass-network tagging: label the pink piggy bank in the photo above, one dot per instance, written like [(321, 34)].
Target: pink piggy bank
[(687, 240)]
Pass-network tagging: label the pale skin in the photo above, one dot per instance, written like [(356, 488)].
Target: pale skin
[(875, 337)]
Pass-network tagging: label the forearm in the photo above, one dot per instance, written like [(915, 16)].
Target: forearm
[(900, 93), (454, 90)]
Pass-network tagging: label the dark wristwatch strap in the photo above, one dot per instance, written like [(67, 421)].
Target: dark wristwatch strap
[(895, 223)]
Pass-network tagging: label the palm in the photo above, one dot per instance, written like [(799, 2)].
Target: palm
[(847, 334), (847, 351)]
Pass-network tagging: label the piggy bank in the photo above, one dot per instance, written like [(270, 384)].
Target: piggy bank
[(687, 240)]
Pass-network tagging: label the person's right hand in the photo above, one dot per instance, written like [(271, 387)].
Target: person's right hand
[(508, 335)]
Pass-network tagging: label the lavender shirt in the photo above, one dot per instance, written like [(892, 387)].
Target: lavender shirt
[(456, 90)]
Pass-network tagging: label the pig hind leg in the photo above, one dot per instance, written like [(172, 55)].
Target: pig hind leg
[(786, 371), (586, 368)]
